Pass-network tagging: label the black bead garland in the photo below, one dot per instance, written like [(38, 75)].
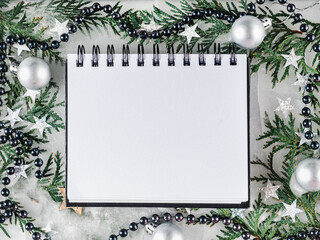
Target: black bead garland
[(38, 174), (116, 16), (123, 232), (226, 221), (143, 34), (179, 217), (29, 226), (191, 218), (38, 162), (316, 47), (143, 221), (236, 227), (155, 218), (167, 217), (133, 226), (251, 7), (203, 219), (219, 15), (260, 1), (196, 14), (55, 44), (307, 123), (306, 111), (298, 17), (304, 27), (107, 9), (310, 37), (291, 7), (64, 37)]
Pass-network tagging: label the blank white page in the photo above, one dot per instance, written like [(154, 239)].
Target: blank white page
[(157, 136)]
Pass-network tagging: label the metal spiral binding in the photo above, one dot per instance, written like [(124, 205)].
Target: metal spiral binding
[(95, 56), (217, 54), (233, 58), (81, 52), (110, 55), (202, 60), (186, 56), (156, 52), (140, 55), (125, 55), (156, 55), (171, 61)]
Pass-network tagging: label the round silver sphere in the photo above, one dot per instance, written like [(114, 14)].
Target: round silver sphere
[(34, 73), (307, 174), (248, 32), (167, 231)]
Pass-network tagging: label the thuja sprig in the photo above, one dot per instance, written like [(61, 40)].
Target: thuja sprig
[(53, 176)]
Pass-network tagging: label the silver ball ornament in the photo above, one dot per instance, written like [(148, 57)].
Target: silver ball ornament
[(167, 231), (34, 73), (248, 32), (307, 174)]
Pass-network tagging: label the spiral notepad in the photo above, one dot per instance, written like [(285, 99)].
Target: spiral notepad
[(165, 130)]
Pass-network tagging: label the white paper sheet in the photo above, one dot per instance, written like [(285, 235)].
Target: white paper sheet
[(162, 135)]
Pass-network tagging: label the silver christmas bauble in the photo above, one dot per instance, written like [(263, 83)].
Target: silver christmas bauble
[(248, 32), (167, 231), (307, 174), (34, 73)]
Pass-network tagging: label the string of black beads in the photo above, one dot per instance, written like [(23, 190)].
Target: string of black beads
[(23, 146), (179, 217)]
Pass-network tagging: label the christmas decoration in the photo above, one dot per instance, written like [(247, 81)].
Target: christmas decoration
[(292, 59), (13, 116), (20, 48), (32, 94), (60, 28), (190, 32), (34, 73), (248, 32), (236, 212), (307, 174), (302, 80), (152, 26), (284, 106), (40, 124), (305, 137), (20, 171), (291, 210), (167, 231), (270, 190), (63, 206)]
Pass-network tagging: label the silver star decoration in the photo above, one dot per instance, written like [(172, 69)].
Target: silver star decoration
[(21, 48), (270, 190), (284, 106), (291, 210), (303, 139), (152, 26), (20, 171), (40, 124), (60, 28), (237, 212), (190, 32), (49, 233), (302, 80), (32, 93), (13, 116), (292, 59)]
